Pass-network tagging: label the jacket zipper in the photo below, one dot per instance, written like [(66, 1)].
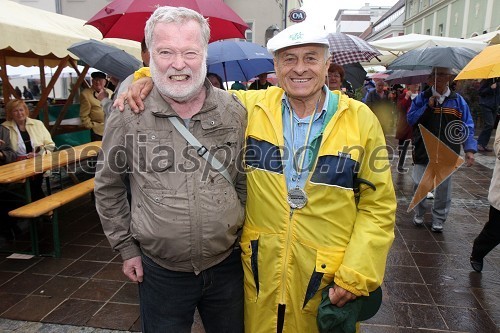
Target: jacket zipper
[(288, 239), (285, 260)]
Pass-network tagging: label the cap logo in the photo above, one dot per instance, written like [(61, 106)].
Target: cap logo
[(296, 36)]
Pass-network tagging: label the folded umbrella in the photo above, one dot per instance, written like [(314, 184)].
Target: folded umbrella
[(238, 60), (332, 319), (127, 18), (486, 65), (106, 58), (347, 49)]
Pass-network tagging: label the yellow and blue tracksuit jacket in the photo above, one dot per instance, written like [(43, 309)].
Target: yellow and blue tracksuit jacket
[(341, 235)]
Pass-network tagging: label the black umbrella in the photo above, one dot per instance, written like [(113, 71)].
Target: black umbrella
[(106, 58), (356, 74)]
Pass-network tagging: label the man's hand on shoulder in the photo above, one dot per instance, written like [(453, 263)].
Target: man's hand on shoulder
[(134, 96)]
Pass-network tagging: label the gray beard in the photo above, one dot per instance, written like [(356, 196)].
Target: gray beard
[(164, 89)]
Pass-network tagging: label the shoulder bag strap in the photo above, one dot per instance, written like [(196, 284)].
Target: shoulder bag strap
[(200, 149)]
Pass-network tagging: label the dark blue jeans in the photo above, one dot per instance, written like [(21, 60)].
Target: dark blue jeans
[(168, 299)]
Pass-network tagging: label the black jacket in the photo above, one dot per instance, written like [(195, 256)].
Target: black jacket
[(488, 97)]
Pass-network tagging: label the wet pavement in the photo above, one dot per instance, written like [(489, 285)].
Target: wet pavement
[(429, 284)]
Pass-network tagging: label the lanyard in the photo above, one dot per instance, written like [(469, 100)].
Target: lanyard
[(299, 166)]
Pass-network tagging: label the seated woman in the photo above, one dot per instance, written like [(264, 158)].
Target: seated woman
[(28, 138)]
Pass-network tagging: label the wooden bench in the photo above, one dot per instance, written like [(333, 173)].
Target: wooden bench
[(50, 203)]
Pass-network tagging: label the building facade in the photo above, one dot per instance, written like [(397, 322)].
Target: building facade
[(389, 25), (265, 18), (452, 18), (263, 24), (356, 21)]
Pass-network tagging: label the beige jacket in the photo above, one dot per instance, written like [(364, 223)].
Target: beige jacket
[(185, 215), (39, 135), (91, 112), (494, 195)]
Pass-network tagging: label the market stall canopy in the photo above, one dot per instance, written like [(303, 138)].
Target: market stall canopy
[(29, 33), (34, 72), (416, 41)]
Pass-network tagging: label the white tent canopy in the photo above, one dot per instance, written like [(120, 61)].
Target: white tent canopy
[(34, 72), (28, 30), (491, 37), (416, 41), (381, 60)]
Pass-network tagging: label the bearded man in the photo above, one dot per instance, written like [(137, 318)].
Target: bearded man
[(178, 238)]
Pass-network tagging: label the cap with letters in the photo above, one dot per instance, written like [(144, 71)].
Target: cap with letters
[(298, 34)]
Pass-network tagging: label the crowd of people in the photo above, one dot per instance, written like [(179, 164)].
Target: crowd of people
[(256, 241)]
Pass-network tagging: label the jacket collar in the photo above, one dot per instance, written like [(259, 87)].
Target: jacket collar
[(427, 93), (12, 123)]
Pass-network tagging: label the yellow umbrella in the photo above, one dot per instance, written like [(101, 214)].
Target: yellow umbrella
[(485, 65)]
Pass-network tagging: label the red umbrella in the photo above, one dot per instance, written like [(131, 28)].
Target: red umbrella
[(126, 18)]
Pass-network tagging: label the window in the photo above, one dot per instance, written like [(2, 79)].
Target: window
[(428, 32), (271, 32), (249, 32), (440, 30)]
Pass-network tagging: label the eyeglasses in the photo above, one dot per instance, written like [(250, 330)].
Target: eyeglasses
[(169, 54)]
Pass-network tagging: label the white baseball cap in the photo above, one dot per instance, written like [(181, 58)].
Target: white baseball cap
[(298, 34)]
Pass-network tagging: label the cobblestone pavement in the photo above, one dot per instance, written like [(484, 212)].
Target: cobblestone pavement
[(429, 285)]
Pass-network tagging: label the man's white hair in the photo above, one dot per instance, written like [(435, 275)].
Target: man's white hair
[(167, 14)]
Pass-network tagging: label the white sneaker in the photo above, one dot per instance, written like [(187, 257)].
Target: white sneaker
[(437, 226), (418, 221), (430, 195)]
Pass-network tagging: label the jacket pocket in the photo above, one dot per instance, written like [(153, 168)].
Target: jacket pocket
[(223, 143), (156, 151), (327, 263), (250, 260)]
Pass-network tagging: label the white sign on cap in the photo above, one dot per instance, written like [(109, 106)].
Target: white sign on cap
[(297, 15)]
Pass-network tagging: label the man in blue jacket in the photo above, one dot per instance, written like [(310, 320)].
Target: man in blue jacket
[(446, 115)]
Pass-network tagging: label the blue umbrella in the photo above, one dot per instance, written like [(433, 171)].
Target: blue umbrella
[(238, 61)]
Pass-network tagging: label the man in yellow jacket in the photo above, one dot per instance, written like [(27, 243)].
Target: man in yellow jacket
[(320, 203), (91, 111)]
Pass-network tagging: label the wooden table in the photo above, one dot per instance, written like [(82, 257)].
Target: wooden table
[(20, 170)]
